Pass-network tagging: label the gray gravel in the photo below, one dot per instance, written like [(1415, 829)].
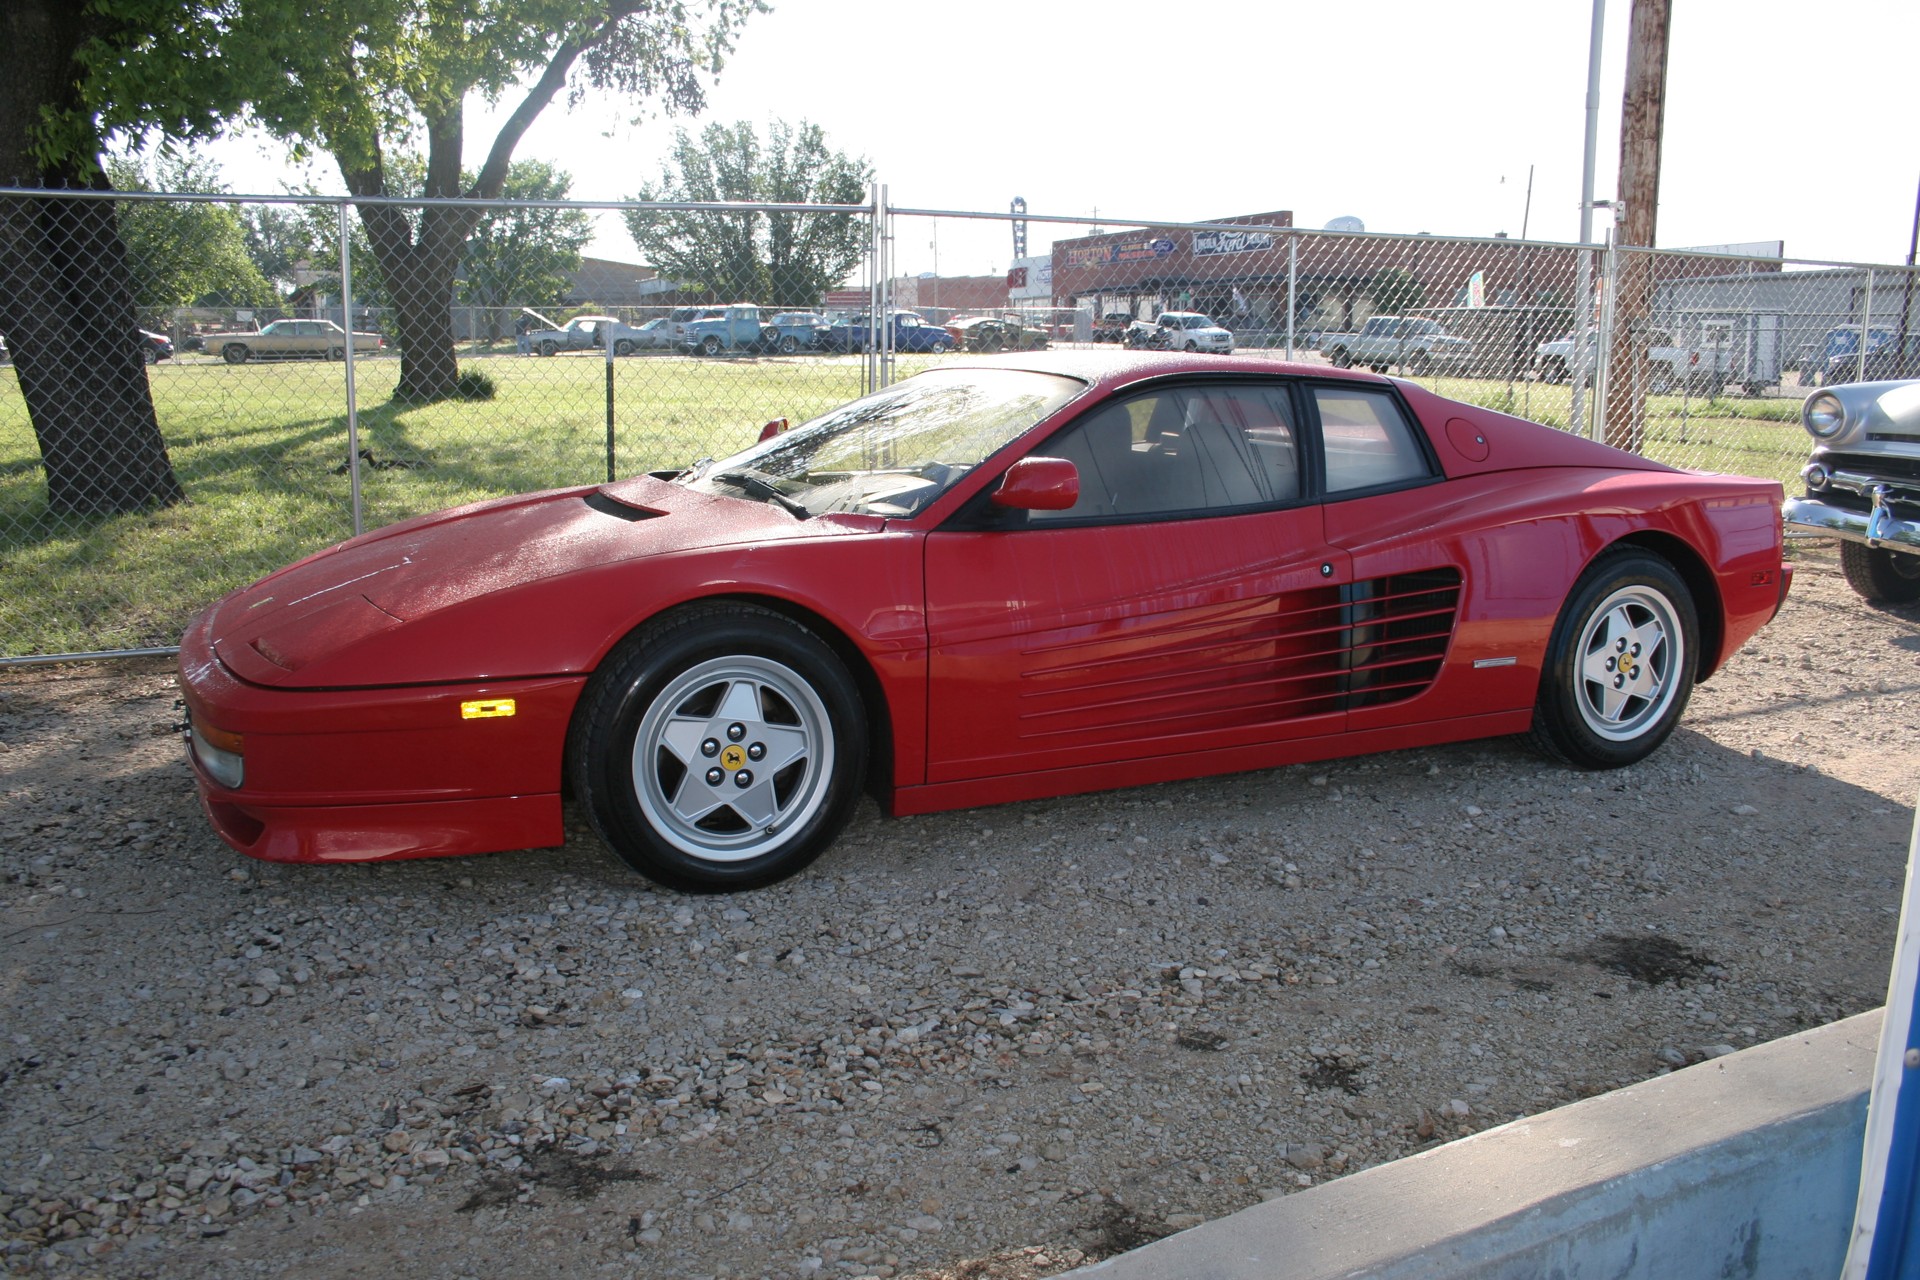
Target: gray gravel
[(992, 1043)]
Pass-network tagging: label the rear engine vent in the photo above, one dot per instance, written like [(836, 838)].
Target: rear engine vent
[(618, 510), (1398, 632)]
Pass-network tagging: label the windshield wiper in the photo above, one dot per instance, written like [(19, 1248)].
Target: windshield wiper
[(693, 470), (760, 487)]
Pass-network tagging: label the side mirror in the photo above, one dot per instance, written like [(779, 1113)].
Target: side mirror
[(772, 429), (1039, 484)]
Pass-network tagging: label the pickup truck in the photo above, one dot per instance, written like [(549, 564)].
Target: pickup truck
[(1670, 366), (739, 327), (1179, 331), (1398, 343)]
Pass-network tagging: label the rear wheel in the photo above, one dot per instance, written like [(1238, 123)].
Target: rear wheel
[(623, 348), (719, 748), (1879, 575), (235, 353), (1619, 666), (1339, 358)]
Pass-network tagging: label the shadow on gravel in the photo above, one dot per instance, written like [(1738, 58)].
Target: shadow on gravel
[(574, 1176), (1651, 959)]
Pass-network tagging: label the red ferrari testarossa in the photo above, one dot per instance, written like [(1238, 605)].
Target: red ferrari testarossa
[(995, 581)]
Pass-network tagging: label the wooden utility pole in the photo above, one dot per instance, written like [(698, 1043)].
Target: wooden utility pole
[(1642, 116)]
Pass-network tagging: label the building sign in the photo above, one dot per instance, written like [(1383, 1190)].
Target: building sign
[(1100, 255), (1211, 243), (1031, 277)]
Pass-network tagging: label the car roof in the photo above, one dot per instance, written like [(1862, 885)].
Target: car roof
[(1113, 369)]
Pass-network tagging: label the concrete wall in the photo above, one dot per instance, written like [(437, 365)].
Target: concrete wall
[(1745, 1166)]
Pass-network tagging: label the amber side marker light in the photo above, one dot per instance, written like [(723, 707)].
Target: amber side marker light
[(487, 709)]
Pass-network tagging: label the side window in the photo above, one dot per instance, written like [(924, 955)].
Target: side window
[(1184, 451), (1368, 440)]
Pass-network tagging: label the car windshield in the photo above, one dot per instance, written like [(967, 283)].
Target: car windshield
[(892, 453), (1195, 322)]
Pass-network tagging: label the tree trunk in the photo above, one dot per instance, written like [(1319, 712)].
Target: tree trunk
[(1642, 116), (66, 298), (418, 275)]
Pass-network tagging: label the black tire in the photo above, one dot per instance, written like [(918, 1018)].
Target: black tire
[(1191, 345), (1339, 358), (1880, 575), (710, 345), (623, 348), (941, 346), (1620, 664), (719, 688), (1553, 369), (789, 345), (548, 348), (149, 356), (1419, 364), (235, 353)]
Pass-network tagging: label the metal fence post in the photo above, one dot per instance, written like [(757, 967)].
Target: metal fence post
[(1293, 283), (883, 319), (1866, 331), (353, 401), (1603, 357)]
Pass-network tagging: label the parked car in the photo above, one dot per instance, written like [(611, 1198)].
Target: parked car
[(799, 331), (1018, 577), (154, 347), (1883, 362), (911, 332), (654, 335), (1399, 343), (741, 327), (1863, 484), (1112, 327), (582, 333), (291, 340), (1180, 331), (996, 333)]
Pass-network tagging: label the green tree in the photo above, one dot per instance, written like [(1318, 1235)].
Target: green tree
[(526, 256), (782, 259), (364, 78), (1396, 291), (283, 242), (184, 254)]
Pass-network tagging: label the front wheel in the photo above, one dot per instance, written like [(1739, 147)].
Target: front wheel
[(1339, 358), (789, 345), (941, 347), (710, 345), (235, 353), (1880, 575), (719, 748), (1620, 663)]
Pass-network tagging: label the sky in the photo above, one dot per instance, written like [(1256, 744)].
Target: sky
[(1785, 120)]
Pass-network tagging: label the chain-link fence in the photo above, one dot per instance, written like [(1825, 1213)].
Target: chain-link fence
[(203, 389)]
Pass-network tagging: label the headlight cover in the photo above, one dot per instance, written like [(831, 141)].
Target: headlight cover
[(1824, 415)]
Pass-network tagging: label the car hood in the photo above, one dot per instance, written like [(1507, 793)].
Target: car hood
[(470, 593)]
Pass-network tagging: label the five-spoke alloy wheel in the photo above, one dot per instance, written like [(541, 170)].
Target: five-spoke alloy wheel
[(720, 747), (1620, 664)]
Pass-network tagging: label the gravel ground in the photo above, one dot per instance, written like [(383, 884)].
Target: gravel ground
[(995, 1043)]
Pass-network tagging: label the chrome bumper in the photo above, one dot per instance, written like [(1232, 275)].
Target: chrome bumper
[(1877, 528)]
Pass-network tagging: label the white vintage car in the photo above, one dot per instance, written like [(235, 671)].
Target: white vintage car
[(1863, 484)]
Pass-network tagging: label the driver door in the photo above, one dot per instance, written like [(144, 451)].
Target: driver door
[(1188, 602)]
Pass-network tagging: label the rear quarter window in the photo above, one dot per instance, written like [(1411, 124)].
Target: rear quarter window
[(1367, 440)]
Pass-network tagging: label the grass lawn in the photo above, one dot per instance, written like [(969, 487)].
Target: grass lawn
[(260, 449)]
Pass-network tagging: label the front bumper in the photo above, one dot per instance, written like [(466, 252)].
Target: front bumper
[(1878, 527)]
